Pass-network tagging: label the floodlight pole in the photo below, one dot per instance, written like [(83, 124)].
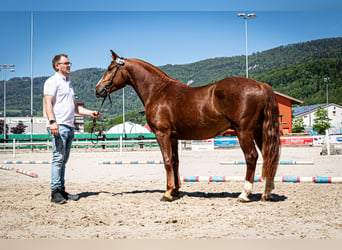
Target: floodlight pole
[(327, 80), (6, 67), (246, 17), (31, 137)]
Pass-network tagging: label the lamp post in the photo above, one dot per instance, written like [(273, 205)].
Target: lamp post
[(246, 17), (6, 67), (31, 137), (327, 80)]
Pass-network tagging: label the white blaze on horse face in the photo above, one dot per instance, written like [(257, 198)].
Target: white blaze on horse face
[(98, 83)]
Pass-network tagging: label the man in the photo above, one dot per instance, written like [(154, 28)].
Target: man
[(140, 138), (60, 108)]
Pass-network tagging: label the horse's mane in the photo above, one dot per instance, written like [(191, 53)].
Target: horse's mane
[(153, 69)]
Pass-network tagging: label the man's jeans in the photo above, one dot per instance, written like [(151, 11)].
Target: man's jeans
[(61, 146)]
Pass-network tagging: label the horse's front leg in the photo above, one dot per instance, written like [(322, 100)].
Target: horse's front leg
[(166, 150), (175, 164)]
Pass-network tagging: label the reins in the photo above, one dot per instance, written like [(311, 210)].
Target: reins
[(120, 62)]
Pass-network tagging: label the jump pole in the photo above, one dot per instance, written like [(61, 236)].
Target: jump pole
[(293, 179), (26, 172), (27, 162), (115, 162), (6, 167), (280, 162), (20, 171)]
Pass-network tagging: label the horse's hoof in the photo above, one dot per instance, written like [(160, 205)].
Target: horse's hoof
[(243, 197), (267, 198), (176, 194), (243, 200), (166, 198)]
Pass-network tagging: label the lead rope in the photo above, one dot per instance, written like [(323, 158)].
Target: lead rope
[(93, 129)]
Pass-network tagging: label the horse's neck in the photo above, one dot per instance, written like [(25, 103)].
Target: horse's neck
[(147, 80)]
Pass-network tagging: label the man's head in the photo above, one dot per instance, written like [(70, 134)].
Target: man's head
[(61, 64)]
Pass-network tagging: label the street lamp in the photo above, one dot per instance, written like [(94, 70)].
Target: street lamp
[(246, 17), (6, 67), (327, 80)]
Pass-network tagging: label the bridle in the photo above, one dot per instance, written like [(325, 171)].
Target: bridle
[(119, 63)]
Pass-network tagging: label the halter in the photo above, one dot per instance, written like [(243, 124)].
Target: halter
[(120, 62)]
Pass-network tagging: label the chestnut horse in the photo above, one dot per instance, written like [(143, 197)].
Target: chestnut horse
[(177, 111)]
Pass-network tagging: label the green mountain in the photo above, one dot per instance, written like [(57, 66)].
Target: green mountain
[(297, 70)]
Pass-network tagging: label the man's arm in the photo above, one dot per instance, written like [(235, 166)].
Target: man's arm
[(48, 99), (80, 110)]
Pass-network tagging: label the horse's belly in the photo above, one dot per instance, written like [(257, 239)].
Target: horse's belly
[(200, 133)]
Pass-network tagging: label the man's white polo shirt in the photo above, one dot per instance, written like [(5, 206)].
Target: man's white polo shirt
[(63, 103)]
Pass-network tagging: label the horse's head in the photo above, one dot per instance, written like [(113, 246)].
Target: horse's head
[(113, 79)]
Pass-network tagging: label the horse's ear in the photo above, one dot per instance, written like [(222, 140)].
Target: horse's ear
[(114, 55)]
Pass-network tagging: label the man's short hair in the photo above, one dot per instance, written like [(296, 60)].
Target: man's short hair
[(56, 59)]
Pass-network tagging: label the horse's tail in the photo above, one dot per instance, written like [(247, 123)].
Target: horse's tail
[(270, 136)]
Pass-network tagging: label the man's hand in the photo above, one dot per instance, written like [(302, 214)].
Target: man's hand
[(96, 115), (54, 129)]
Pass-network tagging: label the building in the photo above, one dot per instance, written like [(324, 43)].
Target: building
[(285, 103), (308, 114), (39, 124)]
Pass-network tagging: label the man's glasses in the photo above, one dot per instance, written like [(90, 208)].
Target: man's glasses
[(66, 63)]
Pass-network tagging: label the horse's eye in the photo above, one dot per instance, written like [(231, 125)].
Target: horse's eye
[(111, 67)]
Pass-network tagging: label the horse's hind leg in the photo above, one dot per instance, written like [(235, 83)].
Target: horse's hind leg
[(251, 157), (269, 185)]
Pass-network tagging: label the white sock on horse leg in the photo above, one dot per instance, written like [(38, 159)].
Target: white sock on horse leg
[(247, 189)]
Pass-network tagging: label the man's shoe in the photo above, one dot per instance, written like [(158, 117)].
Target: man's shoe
[(57, 197), (73, 197)]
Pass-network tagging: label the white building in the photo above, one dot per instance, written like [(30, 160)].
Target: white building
[(308, 114), (39, 124)]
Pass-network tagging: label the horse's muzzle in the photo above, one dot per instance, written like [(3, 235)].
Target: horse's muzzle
[(101, 93)]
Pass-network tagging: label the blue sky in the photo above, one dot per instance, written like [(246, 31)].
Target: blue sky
[(160, 32)]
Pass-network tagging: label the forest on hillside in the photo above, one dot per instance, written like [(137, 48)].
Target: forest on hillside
[(297, 70)]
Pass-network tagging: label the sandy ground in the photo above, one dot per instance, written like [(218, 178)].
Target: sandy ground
[(123, 201)]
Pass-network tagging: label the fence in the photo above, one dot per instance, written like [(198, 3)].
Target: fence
[(81, 141), (119, 142)]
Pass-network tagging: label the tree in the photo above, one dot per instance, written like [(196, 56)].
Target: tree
[(298, 125), (321, 121), (2, 127), (19, 129)]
